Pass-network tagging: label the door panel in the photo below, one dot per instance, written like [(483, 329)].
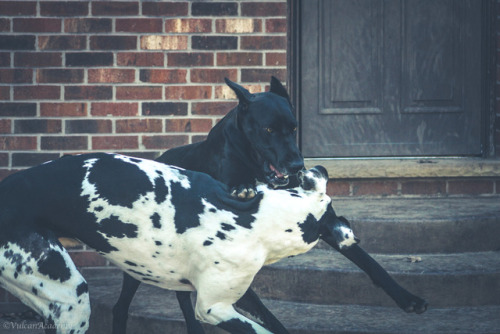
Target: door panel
[(390, 78)]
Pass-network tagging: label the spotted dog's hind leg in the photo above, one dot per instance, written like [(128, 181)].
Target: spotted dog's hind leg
[(35, 268)]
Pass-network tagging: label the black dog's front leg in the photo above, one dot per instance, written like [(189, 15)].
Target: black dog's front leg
[(380, 277), (239, 179), (193, 325), (120, 310)]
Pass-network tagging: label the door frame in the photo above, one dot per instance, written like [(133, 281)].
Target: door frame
[(488, 68)]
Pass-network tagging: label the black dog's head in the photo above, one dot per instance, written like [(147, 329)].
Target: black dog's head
[(267, 122)]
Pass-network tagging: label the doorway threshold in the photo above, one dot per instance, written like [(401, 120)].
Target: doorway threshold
[(369, 168)]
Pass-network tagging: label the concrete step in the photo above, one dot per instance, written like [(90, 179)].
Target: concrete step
[(156, 311), (326, 277), (429, 225)]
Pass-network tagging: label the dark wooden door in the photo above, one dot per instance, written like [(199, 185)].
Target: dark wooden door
[(390, 78)]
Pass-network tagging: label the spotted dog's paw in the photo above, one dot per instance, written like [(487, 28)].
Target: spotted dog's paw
[(244, 191), (413, 304)]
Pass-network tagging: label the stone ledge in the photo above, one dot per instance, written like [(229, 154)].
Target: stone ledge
[(408, 168)]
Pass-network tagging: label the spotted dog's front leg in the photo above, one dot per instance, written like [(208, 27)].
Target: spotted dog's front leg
[(216, 294), (223, 315)]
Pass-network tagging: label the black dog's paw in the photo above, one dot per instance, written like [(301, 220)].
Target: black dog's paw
[(244, 191), (414, 304)]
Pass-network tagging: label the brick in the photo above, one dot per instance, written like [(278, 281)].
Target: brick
[(115, 109), (85, 59), (63, 109), (212, 108), (59, 75), (12, 143), (164, 108), (276, 25), (188, 26), (423, 187), (4, 59), (139, 25), (470, 187), (115, 8), (87, 259), (238, 26), (375, 188), (165, 8), (87, 25), (338, 188), (263, 9), (139, 125), (17, 42), (88, 126), (188, 92), (37, 93), (164, 142), (32, 159), (261, 75), (16, 75), (37, 25), (163, 76), (155, 42), (16, 8), (88, 93), (113, 42), (190, 59), (276, 59), (37, 126), (64, 8), (5, 25), (263, 43), (62, 42), (188, 125), (4, 161), (138, 93), (37, 59), (111, 75), (64, 143), (5, 125), (10, 109), (212, 75), (4, 93), (115, 143), (214, 43), (142, 59), (239, 59), (214, 9)]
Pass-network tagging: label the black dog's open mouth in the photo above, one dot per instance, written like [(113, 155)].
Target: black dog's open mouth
[(276, 178)]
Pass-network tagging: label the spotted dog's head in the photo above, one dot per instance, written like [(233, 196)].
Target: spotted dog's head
[(314, 179)]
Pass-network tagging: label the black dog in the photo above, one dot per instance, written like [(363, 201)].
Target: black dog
[(255, 141)]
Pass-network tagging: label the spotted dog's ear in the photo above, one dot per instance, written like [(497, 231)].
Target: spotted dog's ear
[(314, 179)]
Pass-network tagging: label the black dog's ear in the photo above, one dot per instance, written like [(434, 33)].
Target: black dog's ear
[(278, 89), (244, 96)]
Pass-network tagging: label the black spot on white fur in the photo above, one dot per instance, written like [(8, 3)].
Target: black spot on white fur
[(54, 266)]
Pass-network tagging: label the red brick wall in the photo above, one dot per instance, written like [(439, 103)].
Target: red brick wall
[(133, 77)]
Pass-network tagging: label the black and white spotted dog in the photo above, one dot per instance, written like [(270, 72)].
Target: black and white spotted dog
[(163, 225)]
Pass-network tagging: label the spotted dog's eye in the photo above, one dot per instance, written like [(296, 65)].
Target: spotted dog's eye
[(269, 130)]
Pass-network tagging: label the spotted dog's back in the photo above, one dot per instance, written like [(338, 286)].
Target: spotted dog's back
[(165, 226)]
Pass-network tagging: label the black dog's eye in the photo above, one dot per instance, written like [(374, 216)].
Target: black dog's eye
[(269, 130), (294, 129)]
